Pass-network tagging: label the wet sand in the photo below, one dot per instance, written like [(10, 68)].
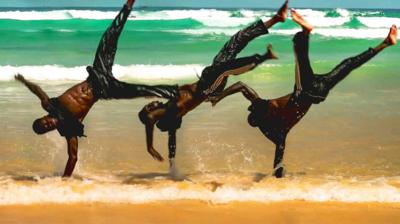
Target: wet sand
[(201, 212)]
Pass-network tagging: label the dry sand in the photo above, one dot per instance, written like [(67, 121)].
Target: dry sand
[(194, 212)]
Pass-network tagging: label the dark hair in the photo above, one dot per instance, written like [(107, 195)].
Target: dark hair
[(38, 127)]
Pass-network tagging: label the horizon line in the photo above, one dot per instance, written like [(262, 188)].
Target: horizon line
[(180, 7)]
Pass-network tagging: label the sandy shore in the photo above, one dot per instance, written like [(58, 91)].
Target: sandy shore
[(200, 212)]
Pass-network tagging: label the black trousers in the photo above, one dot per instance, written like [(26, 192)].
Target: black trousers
[(226, 59), (105, 85), (316, 87)]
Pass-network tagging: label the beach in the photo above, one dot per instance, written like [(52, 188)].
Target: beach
[(342, 159), (200, 212)]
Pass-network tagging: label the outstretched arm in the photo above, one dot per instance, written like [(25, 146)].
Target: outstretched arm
[(35, 89), (72, 155), (247, 92)]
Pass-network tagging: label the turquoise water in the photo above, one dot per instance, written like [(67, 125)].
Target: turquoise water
[(346, 149), (70, 38)]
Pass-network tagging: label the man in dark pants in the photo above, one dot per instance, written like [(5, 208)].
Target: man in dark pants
[(276, 117), (168, 117), (67, 111)]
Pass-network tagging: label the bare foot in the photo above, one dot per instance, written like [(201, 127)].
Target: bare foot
[(299, 20), (270, 52), (391, 39), (130, 2), (282, 12)]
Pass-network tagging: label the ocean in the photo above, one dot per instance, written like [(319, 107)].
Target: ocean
[(345, 149)]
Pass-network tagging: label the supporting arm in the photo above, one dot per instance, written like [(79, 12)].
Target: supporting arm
[(72, 155), (279, 169), (172, 144), (35, 89), (249, 93)]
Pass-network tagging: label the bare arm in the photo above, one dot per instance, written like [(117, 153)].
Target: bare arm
[(247, 92), (35, 89), (149, 140), (72, 155)]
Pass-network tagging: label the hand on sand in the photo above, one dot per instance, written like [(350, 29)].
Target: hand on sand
[(281, 15), (280, 172), (391, 39), (155, 154)]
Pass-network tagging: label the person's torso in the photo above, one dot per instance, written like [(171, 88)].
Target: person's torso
[(78, 99)]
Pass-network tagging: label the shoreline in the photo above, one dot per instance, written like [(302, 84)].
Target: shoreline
[(201, 212)]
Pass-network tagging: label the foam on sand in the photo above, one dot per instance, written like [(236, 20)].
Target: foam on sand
[(54, 190)]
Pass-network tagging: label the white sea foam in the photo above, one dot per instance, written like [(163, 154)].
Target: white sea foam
[(319, 19), (350, 33), (379, 22), (53, 190), (209, 17), (142, 72), (56, 72)]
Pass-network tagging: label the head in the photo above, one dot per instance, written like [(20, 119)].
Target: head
[(44, 124)]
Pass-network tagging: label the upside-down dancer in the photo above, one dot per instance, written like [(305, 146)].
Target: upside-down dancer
[(276, 117), (67, 111), (168, 116)]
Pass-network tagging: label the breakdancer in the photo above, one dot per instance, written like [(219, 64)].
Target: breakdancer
[(276, 117), (168, 116), (67, 111)]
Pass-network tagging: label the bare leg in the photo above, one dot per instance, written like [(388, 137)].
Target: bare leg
[(342, 70), (240, 40)]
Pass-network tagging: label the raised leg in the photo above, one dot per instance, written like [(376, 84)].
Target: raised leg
[(123, 90), (104, 58), (304, 72), (348, 65), (236, 67), (240, 40)]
